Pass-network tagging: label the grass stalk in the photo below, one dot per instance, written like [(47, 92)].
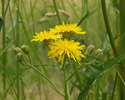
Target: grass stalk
[(97, 91), (122, 44), (31, 45), (23, 90), (32, 16), (12, 24), (17, 44), (17, 26), (106, 20), (67, 95), (53, 86), (116, 76), (57, 12), (4, 46), (77, 76)]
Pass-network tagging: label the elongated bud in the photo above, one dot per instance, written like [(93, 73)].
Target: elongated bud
[(17, 50), (90, 51), (98, 53), (25, 49), (20, 57)]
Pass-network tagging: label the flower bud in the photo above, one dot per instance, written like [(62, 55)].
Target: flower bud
[(17, 50), (90, 51), (98, 53), (25, 49), (20, 57), (7, 38)]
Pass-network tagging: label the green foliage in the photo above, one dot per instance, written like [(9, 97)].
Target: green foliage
[(94, 72)]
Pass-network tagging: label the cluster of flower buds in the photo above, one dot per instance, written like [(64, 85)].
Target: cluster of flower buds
[(20, 51), (91, 51)]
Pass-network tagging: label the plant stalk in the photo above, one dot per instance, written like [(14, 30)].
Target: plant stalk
[(67, 94), (57, 12), (106, 20), (4, 46), (122, 45), (53, 86)]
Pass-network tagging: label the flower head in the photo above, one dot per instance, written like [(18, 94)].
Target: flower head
[(46, 36), (67, 29), (65, 48)]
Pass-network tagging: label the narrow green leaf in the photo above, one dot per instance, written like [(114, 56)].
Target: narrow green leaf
[(95, 72)]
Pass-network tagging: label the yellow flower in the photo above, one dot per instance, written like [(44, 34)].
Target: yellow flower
[(65, 48), (46, 36), (67, 29)]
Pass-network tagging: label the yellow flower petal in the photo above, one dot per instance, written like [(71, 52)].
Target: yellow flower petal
[(66, 48)]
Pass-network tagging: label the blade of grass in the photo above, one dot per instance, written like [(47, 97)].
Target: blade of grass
[(31, 45), (122, 44), (57, 90), (72, 7), (6, 8), (4, 46), (86, 16), (116, 76), (121, 78), (106, 20), (17, 44), (32, 16), (57, 12), (12, 24)]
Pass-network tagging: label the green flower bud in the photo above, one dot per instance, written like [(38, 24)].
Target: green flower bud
[(20, 57), (25, 49), (17, 50), (7, 38), (98, 53), (90, 51)]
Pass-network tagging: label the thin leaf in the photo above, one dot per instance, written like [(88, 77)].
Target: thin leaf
[(95, 72)]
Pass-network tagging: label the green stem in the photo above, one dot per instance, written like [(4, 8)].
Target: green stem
[(31, 45), (17, 26), (57, 12), (77, 76), (18, 85), (114, 86), (57, 90), (12, 24), (97, 92), (4, 46), (32, 16), (23, 90), (17, 44), (73, 73), (122, 45), (108, 27), (67, 95), (121, 78)]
